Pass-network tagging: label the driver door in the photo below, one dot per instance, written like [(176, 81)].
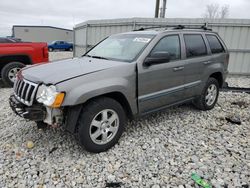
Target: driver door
[(162, 84)]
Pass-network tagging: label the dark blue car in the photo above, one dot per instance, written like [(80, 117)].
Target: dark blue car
[(60, 45)]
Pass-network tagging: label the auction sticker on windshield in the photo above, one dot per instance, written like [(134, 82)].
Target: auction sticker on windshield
[(145, 40)]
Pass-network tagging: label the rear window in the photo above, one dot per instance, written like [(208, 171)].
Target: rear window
[(4, 40), (215, 44), (195, 45)]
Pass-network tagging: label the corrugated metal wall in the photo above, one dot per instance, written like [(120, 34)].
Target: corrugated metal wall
[(235, 33)]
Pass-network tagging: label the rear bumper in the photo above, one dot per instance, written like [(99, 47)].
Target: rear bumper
[(33, 113)]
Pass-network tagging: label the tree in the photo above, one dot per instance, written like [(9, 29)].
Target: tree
[(214, 11), (224, 11)]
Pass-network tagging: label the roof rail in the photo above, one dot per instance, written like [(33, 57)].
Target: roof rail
[(203, 27), (146, 28)]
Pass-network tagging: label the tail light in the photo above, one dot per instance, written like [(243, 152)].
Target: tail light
[(45, 52)]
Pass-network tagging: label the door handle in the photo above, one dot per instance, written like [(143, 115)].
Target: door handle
[(178, 68), (207, 62)]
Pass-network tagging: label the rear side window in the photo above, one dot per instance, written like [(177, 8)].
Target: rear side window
[(4, 40), (215, 44), (170, 44), (195, 45)]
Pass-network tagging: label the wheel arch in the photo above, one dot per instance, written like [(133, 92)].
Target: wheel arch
[(73, 112), (119, 97), (219, 77), (22, 58)]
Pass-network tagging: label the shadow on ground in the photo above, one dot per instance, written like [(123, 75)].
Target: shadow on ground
[(1, 84)]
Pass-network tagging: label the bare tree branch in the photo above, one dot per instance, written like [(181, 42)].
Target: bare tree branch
[(214, 11), (224, 11)]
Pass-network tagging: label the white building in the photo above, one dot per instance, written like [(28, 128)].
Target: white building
[(235, 33), (41, 33)]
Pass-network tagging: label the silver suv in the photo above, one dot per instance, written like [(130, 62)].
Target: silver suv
[(125, 75)]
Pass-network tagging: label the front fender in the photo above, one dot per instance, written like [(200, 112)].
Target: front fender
[(97, 88), (120, 79), (84, 92)]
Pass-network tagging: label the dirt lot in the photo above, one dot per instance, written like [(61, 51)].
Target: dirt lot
[(160, 150)]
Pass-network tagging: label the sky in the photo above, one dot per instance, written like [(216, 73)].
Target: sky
[(67, 13)]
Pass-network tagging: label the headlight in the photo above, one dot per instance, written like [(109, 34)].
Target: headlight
[(49, 96)]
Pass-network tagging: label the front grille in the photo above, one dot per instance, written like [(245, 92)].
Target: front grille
[(25, 91)]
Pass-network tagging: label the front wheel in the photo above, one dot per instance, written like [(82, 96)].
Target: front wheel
[(209, 95), (101, 124), (50, 49), (9, 72)]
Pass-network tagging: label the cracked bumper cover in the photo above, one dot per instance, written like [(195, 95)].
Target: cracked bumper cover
[(33, 113)]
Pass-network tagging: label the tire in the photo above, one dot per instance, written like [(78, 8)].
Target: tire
[(41, 125), (93, 114), (50, 49), (205, 102), (70, 49), (9, 71)]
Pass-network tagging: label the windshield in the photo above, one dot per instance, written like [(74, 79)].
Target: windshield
[(124, 47)]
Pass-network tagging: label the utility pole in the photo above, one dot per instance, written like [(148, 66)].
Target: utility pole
[(164, 8), (157, 5)]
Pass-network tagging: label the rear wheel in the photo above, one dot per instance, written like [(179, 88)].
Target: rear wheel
[(101, 124), (209, 95), (70, 49), (9, 72)]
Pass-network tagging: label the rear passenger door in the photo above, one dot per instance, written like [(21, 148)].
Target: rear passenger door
[(197, 55)]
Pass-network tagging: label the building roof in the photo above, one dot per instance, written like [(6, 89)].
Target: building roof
[(161, 21), (41, 26)]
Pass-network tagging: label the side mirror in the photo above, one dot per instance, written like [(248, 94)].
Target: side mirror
[(157, 58)]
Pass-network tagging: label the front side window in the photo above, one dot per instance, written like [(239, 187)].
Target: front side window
[(195, 45), (170, 44), (215, 44), (123, 47)]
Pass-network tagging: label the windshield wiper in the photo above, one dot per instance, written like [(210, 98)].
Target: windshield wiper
[(97, 57)]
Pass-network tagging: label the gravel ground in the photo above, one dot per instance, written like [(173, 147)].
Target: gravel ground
[(160, 150), (239, 81), (53, 56)]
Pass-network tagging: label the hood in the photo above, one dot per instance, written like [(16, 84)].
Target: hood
[(59, 71)]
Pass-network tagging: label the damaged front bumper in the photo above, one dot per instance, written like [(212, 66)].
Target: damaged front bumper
[(34, 113)]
